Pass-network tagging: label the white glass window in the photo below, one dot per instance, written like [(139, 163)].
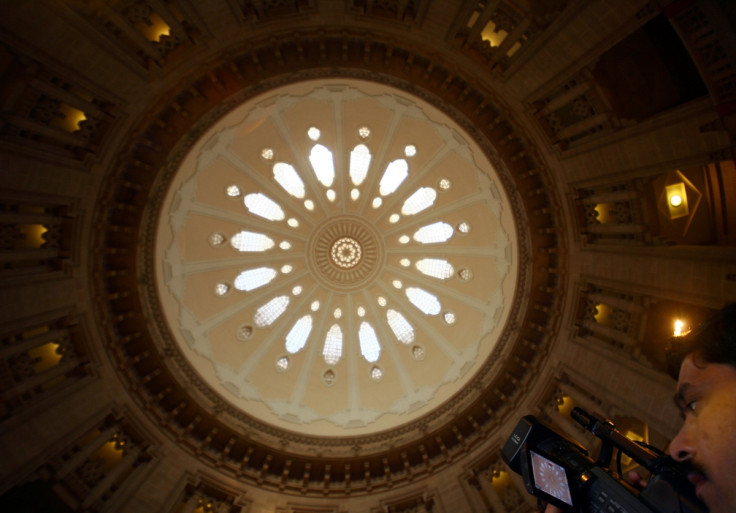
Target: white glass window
[(426, 302), (422, 199), (332, 350), (369, 345), (263, 206), (298, 335), (433, 233), (250, 242), (400, 326), (254, 278), (268, 313), (435, 267), (321, 159), (360, 161), (289, 179), (314, 133), (396, 172)]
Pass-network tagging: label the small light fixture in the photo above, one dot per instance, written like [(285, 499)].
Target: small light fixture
[(679, 328), (677, 200)]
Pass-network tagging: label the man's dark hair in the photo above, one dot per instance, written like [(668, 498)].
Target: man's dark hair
[(714, 341)]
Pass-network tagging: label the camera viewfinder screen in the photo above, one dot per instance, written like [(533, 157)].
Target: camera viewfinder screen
[(550, 478)]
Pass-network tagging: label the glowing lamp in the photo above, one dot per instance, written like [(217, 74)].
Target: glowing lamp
[(677, 200), (679, 325)]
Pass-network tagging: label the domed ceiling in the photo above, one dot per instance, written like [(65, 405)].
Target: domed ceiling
[(326, 250), (343, 275), (336, 257)]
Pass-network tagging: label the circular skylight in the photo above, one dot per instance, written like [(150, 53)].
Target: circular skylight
[(317, 265), (346, 252)]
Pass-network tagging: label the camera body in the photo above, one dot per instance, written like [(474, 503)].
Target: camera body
[(560, 471)]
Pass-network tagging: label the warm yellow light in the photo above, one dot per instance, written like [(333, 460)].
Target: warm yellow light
[(565, 405), (604, 211), (500, 481), (71, 120), (677, 200), (159, 28), (602, 313), (489, 34), (633, 435), (679, 327), (110, 454), (33, 236), (45, 356), (162, 31), (155, 29), (626, 460)]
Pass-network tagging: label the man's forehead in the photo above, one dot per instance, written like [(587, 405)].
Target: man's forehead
[(690, 375)]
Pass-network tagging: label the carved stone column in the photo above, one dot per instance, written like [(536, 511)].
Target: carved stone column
[(124, 465)]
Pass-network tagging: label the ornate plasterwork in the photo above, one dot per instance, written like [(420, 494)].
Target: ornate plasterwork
[(368, 237), (345, 252), (173, 393)]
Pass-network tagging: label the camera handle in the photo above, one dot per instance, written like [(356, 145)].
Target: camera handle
[(606, 431), (669, 491)]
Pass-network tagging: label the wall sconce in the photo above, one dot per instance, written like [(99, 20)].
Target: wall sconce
[(680, 328), (678, 200), (676, 194)]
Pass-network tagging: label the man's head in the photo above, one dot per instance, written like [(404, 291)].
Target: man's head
[(706, 396)]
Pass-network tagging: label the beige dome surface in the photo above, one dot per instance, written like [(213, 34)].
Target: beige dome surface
[(331, 298), (211, 303)]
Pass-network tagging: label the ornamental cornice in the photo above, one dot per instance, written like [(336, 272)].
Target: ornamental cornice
[(153, 156)]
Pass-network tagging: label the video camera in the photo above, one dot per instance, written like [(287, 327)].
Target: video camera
[(560, 472)]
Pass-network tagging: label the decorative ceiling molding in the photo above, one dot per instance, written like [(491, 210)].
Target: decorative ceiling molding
[(199, 419)]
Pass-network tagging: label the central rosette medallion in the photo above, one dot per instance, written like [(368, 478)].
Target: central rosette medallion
[(347, 252)]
